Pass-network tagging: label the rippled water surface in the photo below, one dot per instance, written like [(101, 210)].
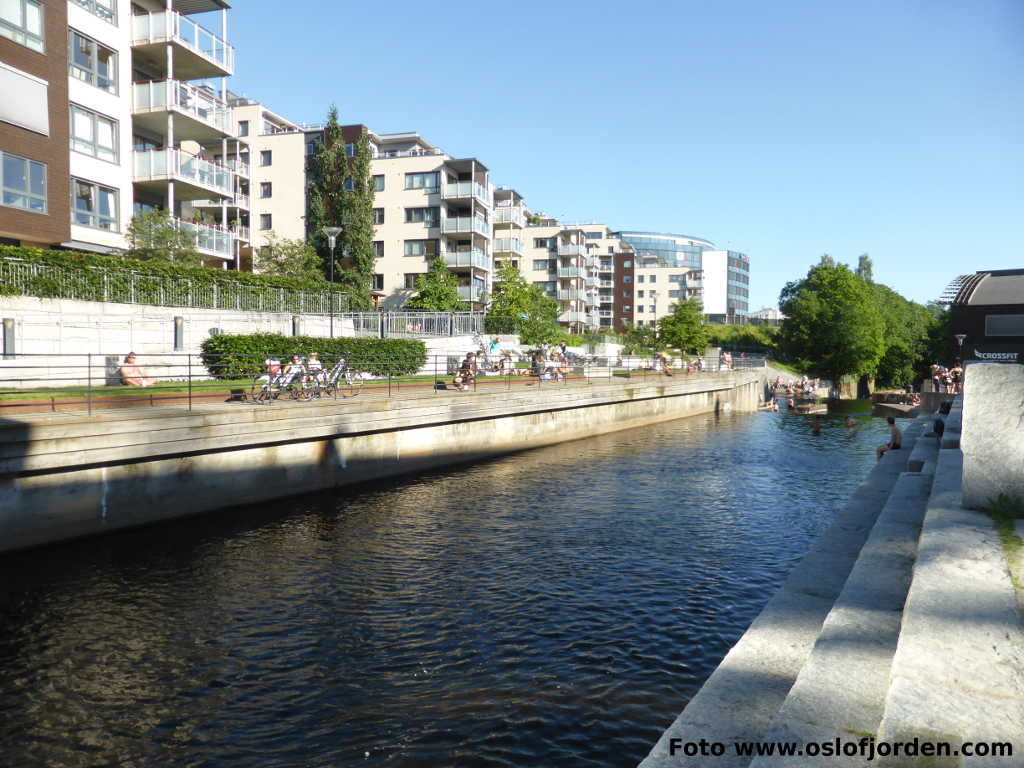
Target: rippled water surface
[(555, 607)]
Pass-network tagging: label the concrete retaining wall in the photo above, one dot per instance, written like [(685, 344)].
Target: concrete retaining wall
[(61, 479)]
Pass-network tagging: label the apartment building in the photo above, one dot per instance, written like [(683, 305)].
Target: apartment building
[(429, 204), (140, 113), (665, 268), (34, 123)]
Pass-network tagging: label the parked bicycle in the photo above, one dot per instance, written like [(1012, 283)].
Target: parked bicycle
[(342, 380)]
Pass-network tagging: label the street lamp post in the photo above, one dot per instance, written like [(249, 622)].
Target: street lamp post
[(332, 238), (960, 337)]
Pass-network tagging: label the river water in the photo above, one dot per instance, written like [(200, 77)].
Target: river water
[(554, 607)]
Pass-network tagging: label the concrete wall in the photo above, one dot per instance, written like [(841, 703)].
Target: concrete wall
[(62, 479), (992, 440)]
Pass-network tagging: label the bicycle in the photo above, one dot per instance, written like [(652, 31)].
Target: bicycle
[(342, 380)]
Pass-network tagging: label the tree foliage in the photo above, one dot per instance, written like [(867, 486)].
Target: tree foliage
[(154, 235), (684, 328), (518, 307), (905, 336), (833, 327), (436, 290), (289, 258), (639, 339), (744, 338), (865, 268), (341, 195)]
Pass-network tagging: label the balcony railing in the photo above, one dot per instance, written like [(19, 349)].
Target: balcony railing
[(240, 167), (212, 241), (174, 164), (605, 313), (606, 284), (471, 292), (572, 250), (474, 258), (567, 272), (171, 25), (573, 317), (467, 224), (508, 245), (509, 216), (591, 281), (239, 201), (242, 233), (570, 295), (159, 95), (465, 189)]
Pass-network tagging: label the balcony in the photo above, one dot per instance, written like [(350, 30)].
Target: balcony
[(201, 116), (694, 284), (573, 317), (605, 313), (568, 272), (475, 258), (572, 250), (466, 225), (471, 292), (239, 167), (198, 53), (209, 241), (239, 201), (606, 284), (241, 233), (570, 295), (512, 216), (591, 300), (194, 177), (591, 281), (508, 245), (465, 190)]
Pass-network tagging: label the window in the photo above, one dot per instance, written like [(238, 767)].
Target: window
[(541, 242), (266, 157), (429, 216), (93, 134), (652, 308), (266, 189), (378, 249), (378, 282), (676, 278), (627, 308), (627, 278), (652, 278), (91, 62), (593, 235), (639, 294), (639, 278), (640, 308), (22, 22), (378, 215), (410, 280), (243, 127), (540, 264), (350, 149), (674, 294), (266, 221), (378, 183), (93, 205), (1004, 325), (22, 183), (349, 184), (652, 294), (427, 181), (421, 248)]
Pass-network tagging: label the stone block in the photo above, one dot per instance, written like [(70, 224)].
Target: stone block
[(992, 434)]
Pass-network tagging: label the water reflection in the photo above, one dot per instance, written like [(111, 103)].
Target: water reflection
[(555, 605)]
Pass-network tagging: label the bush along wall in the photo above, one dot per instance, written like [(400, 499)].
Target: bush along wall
[(240, 356)]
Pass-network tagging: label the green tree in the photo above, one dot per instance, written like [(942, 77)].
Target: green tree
[(904, 339), (832, 326), (289, 258), (827, 260), (684, 328), (153, 235), (518, 307), (639, 339), (436, 290), (864, 268), (341, 195)]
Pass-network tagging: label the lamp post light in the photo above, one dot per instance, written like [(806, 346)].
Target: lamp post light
[(960, 337), (332, 238)]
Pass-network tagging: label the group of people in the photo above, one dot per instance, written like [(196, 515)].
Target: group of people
[(948, 380)]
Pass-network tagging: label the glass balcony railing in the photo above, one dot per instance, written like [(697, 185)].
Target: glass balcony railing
[(509, 216), (170, 25), (604, 313), (242, 233), (238, 166), (567, 272), (570, 295), (592, 300), (212, 241), (573, 317), (508, 245), (606, 284), (173, 164), (572, 250), (239, 201), (591, 281), (460, 224), (471, 292), (464, 189), (474, 258), (159, 95)]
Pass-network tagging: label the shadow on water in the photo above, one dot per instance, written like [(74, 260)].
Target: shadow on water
[(557, 605)]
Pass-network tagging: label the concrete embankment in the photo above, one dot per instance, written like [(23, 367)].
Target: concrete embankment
[(68, 475), (901, 623)]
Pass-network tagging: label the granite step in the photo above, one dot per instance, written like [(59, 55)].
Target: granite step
[(743, 696)]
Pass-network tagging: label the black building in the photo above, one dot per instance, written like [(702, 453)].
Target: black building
[(988, 313)]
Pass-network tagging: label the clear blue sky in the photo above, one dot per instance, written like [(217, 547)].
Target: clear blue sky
[(785, 129)]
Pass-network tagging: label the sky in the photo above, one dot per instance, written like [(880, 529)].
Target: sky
[(784, 130)]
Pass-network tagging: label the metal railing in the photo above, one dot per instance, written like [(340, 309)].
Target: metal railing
[(155, 96), (90, 381), (163, 25), (177, 165)]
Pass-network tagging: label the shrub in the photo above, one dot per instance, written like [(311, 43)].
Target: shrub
[(238, 356)]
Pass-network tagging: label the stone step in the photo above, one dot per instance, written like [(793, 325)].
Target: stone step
[(924, 455), (745, 692), (958, 671), (840, 691)]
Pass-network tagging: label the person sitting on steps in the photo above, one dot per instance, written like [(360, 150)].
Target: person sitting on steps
[(895, 439)]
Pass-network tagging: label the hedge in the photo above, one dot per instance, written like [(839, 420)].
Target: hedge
[(103, 277), (239, 356)]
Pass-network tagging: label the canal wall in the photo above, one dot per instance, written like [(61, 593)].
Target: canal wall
[(64, 476)]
